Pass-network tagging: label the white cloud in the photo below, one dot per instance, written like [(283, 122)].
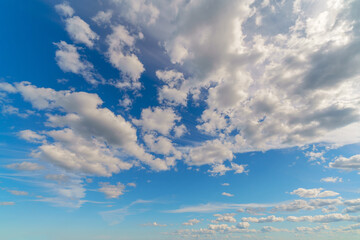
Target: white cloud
[(267, 229), (191, 222), (75, 153), (267, 219), (131, 184), (313, 193), (351, 164), (334, 217), (225, 184), (175, 91), (124, 60), (137, 11), (97, 129), (227, 194), (210, 152), (226, 217), (331, 179), (180, 130), (31, 136), (221, 169), (64, 9), (25, 166), (7, 87), (80, 31), (18, 193), (112, 191), (157, 119), (155, 224), (102, 18), (69, 60)]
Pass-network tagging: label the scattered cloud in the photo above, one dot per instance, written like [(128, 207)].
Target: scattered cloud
[(227, 194), (25, 166), (313, 193)]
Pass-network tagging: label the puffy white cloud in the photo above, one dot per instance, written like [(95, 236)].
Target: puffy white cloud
[(121, 56), (95, 128), (112, 191), (331, 179), (80, 31), (157, 119), (102, 18), (271, 218), (175, 91), (221, 169), (243, 225), (31, 136), (75, 153), (7, 87), (191, 222), (227, 194), (313, 193), (226, 217), (351, 164), (69, 60), (25, 166), (161, 145), (210, 152), (137, 11), (64, 9), (131, 184), (180, 130)]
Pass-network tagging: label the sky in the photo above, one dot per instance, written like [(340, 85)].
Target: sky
[(179, 119)]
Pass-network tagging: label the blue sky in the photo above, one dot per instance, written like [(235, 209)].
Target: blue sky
[(141, 119)]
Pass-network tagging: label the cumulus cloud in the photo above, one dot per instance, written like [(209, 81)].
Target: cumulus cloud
[(102, 18), (157, 119), (80, 31), (112, 191), (210, 152), (69, 60), (120, 53), (64, 9), (267, 219), (313, 193), (350, 164), (137, 11), (88, 126), (191, 222), (226, 217), (31, 136)]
